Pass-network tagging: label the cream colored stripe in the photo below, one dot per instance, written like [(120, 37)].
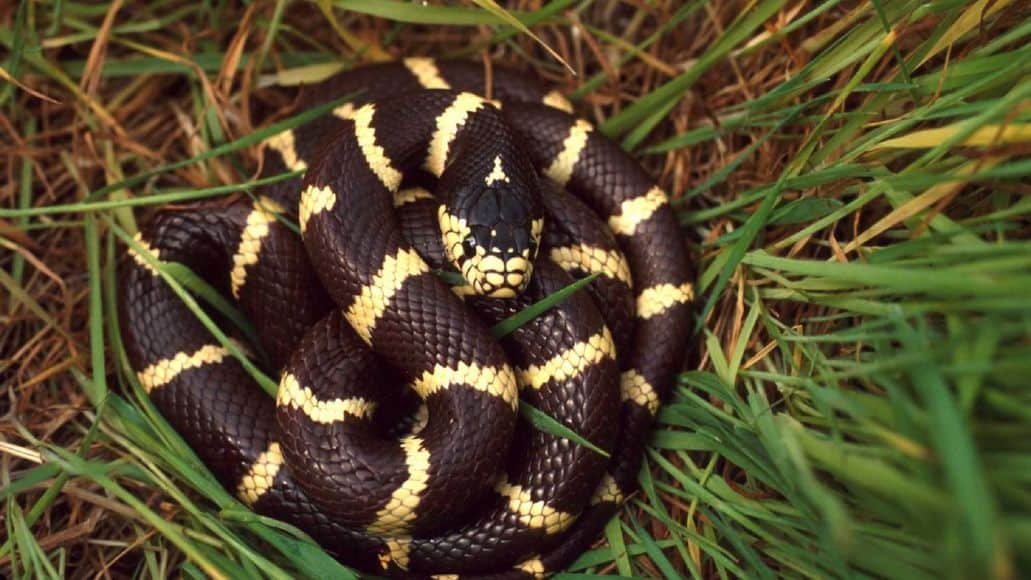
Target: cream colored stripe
[(633, 212), (344, 112), (315, 199), (162, 372), (634, 387), (397, 552), (426, 72), (534, 566), (658, 299), (261, 475), (448, 124), (556, 100), (534, 514), (607, 491), (373, 299), (139, 259), (257, 227), (400, 511), (497, 381), (292, 394), (561, 169), (571, 362), (374, 154), (284, 144), (410, 194), (592, 259), (444, 576)]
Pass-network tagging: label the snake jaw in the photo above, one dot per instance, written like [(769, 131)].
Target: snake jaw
[(493, 277)]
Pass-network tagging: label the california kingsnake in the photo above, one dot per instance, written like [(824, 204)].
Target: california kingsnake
[(408, 459)]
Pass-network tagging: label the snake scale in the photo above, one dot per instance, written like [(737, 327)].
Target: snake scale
[(395, 440)]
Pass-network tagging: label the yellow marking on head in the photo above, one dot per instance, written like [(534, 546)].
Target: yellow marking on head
[(164, 371), (344, 112), (139, 259), (292, 394), (556, 100), (374, 154), (258, 221), (607, 491), (533, 514), (571, 362), (399, 513), (534, 566), (515, 279), (561, 169), (448, 124), (373, 299), (633, 212), (496, 174), (454, 230), (315, 199), (634, 387), (261, 475), (658, 299), (592, 259), (504, 278), (492, 263), (515, 263), (284, 144), (497, 381), (426, 72), (410, 194), (397, 553)]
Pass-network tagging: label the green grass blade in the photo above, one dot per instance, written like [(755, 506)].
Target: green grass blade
[(534, 310)]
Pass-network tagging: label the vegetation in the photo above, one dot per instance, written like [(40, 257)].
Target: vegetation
[(853, 179)]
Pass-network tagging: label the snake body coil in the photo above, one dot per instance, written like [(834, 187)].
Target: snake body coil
[(395, 439)]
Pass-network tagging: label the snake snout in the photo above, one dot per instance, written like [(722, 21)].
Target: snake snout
[(493, 249), (499, 275)]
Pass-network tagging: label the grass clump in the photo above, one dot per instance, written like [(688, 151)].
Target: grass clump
[(852, 178)]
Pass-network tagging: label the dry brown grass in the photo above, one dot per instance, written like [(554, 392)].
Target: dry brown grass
[(76, 131)]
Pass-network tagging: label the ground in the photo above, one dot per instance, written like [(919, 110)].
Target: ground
[(852, 178)]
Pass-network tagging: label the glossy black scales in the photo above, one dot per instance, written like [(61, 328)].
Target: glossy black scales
[(395, 440)]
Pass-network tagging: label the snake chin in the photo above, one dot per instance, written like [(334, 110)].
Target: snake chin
[(492, 277)]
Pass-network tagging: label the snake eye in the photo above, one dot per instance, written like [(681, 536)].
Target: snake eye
[(469, 246)]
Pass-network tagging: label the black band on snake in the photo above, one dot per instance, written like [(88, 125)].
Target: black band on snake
[(395, 439)]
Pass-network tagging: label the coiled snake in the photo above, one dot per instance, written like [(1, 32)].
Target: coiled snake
[(395, 440)]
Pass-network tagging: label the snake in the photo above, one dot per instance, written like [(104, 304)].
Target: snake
[(436, 202)]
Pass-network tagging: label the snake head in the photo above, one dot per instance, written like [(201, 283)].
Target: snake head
[(492, 239)]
